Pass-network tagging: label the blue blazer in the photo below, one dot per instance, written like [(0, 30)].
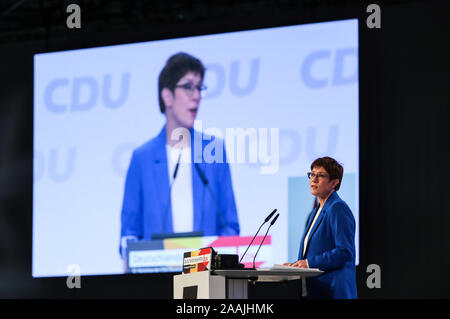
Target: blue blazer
[(331, 248), (146, 195)]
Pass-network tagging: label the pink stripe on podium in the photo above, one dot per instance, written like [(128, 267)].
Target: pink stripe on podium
[(250, 264), (229, 241)]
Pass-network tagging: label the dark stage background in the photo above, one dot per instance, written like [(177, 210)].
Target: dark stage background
[(404, 97)]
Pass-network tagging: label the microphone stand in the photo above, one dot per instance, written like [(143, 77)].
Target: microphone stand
[(265, 221), (271, 224)]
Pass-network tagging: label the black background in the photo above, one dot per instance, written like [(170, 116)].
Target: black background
[(404, 97)]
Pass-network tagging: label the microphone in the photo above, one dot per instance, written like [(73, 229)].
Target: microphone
[(176, 169), (206, 184), (270, 216), (271, 224), (265, 221), (202, 175), (175, 172)]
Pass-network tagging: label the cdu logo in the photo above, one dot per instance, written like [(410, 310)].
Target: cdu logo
[(293, 144), (241, 83), (83, 93), (344, 59), (58, 164)]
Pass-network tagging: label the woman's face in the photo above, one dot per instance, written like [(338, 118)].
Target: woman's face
[(320, 183), (182, 105)]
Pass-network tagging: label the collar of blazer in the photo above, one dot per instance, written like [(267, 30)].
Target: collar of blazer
[(157, 153), (160, 144), (332, 198)]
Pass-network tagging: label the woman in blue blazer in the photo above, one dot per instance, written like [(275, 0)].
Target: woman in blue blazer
[(328, 242), (146, 207)]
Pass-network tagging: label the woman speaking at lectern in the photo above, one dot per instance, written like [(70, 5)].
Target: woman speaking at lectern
[(328, 242)]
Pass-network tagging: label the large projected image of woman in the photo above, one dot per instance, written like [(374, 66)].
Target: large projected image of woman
[(169, 188)]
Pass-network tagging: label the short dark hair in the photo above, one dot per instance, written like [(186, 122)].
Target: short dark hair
[(333, 168), (177, 66)]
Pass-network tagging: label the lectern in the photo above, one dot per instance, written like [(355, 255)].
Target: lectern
[(233, 283)]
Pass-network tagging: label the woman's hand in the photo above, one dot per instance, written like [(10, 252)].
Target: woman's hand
[(299, 264)]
